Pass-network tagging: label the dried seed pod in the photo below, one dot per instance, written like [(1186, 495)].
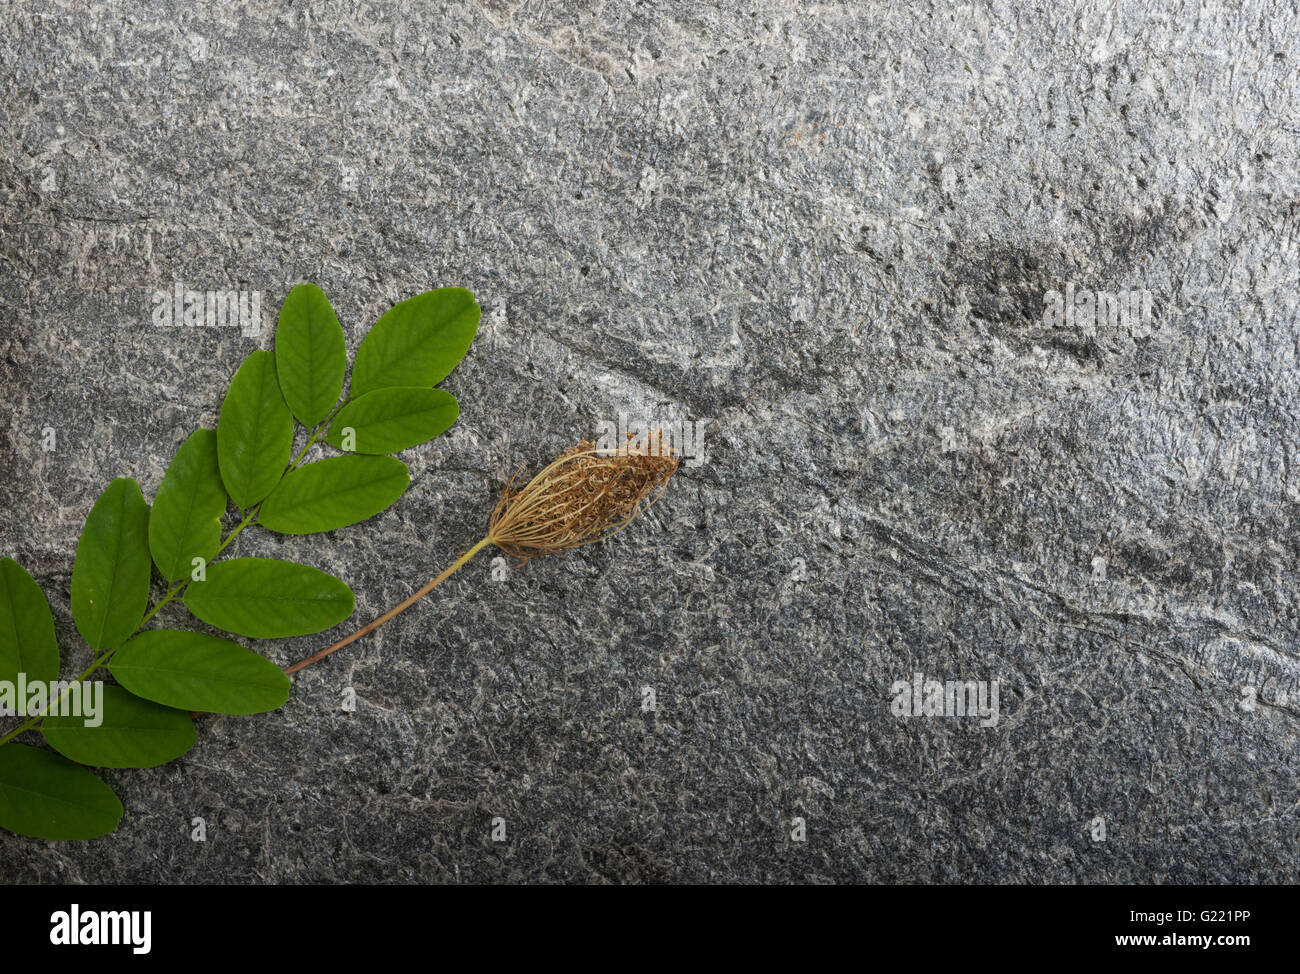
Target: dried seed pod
[(584, 496)]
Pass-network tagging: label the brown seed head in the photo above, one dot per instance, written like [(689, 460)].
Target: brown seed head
[(585, 495)]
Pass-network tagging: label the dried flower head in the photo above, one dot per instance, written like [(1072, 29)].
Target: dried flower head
[(585, 495)]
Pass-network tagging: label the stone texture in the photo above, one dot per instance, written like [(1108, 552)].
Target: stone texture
[(827, 229)]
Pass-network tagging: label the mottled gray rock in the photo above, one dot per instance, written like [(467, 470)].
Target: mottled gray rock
[(828, 229)]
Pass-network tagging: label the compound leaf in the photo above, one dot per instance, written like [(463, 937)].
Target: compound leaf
[(268, 599), (390, 420), (133, 733), (417, 342), (254, 431), (110, 576), (27, 643), (194, 671), (333, 493), (46, 796), (186, 519), (310, 354)]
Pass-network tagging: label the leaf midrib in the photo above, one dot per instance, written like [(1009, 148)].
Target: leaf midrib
[(116, 573), (352, 488), (198, 676), (43, 794)]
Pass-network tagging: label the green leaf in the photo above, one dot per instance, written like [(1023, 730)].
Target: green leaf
[(268, 599), (27, 643), (194, 671), (333, 493), (310, 354), (134, 733), (46, 796), (254, 432), (417, 342), (389, 420), (110, 576), (186, 519)]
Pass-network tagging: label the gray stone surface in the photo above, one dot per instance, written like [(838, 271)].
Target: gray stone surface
[(826, 228)]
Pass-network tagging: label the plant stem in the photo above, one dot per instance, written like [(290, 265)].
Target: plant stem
[(370, 626), (315, 436), (298, 459), (247, 520)]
